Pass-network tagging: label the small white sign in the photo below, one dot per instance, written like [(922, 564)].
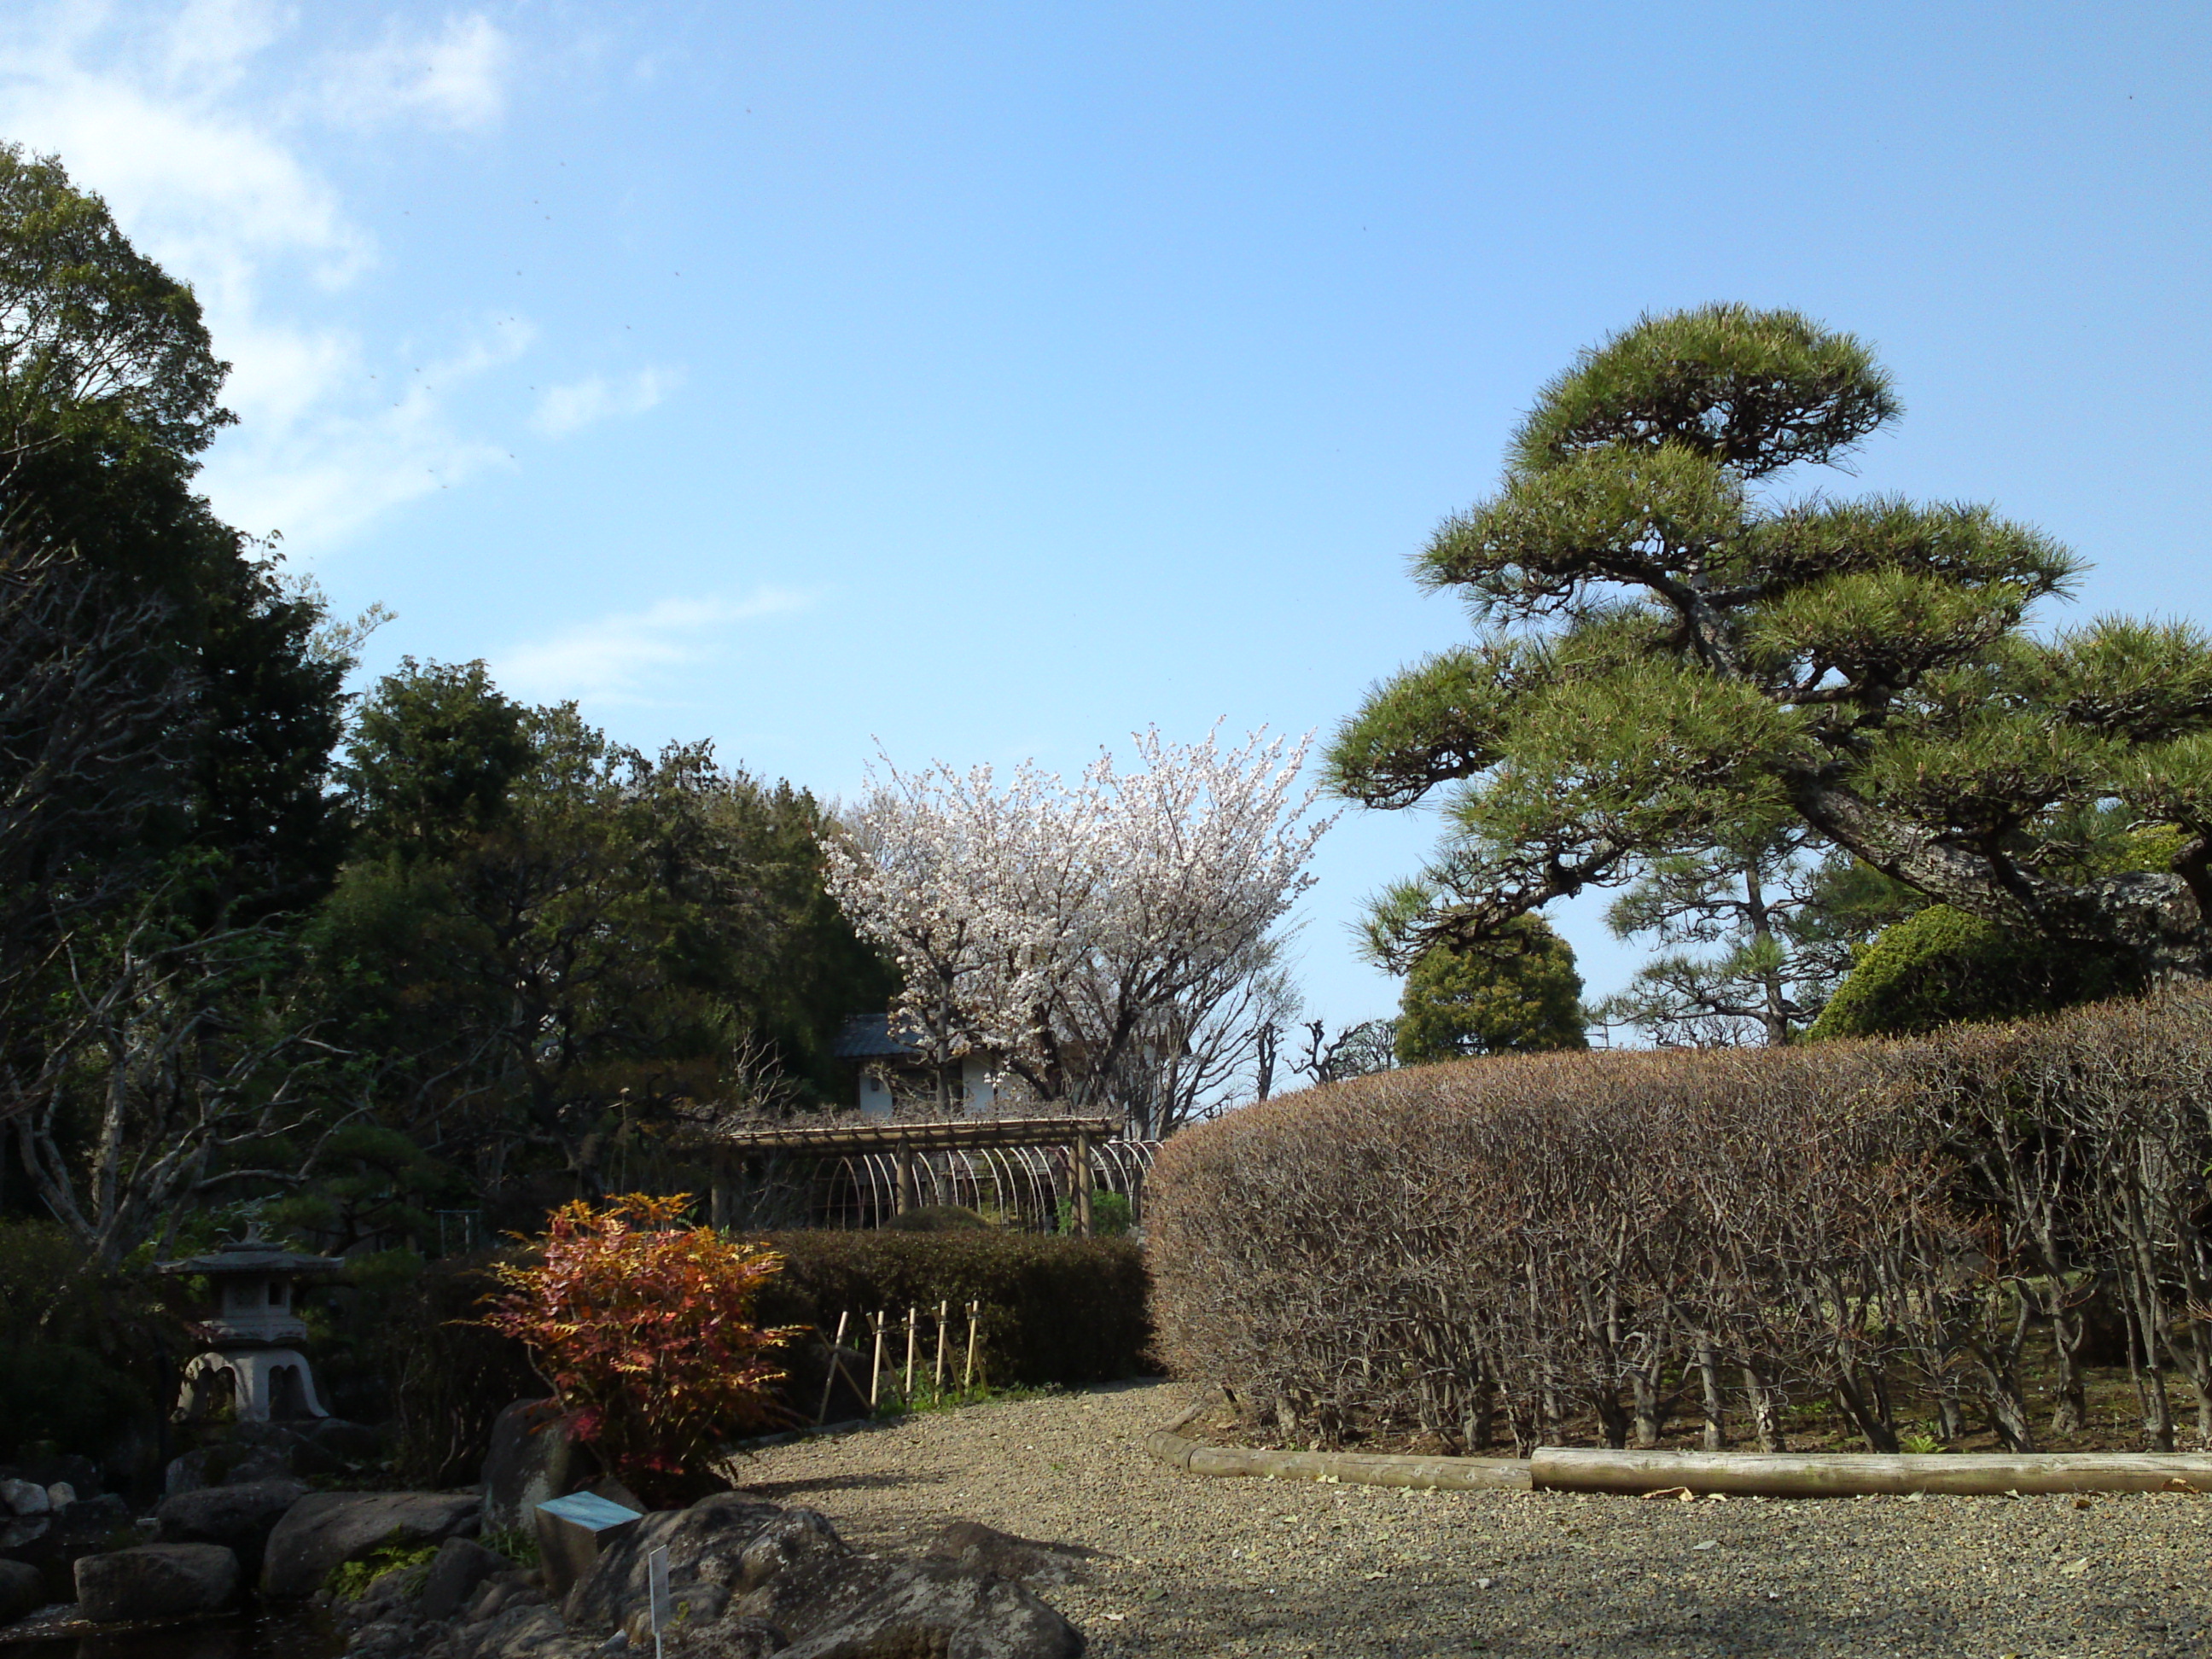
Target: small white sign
[(656, 1590)]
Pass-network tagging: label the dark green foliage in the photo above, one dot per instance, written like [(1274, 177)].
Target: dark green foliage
[(1756, 390), (434, 755), (1672, 664), (550, 941), (1944, 965), (936, 1218), (84, 1353), (1517, 993), (404, 1343), (1111, 1215), (1055, 1311), (65, 1396), (97, 335)]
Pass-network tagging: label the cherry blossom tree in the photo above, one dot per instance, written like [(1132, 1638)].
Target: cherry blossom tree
[(1082, 936)]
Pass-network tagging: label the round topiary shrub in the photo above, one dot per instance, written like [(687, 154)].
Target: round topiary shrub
[(1944, 965)]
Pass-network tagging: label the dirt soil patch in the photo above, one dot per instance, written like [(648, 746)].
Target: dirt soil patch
[(1207, 1566)]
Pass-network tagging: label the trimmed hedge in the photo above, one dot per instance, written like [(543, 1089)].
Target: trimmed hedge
[(1555, 1245), (1055, 1311)]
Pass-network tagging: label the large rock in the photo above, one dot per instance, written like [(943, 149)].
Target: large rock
[(327, 1528), (979, 1548), (22, 1589), (156, 1581), (26, 1497), (239, 1518), (531, 1460), (250, 1453), (331, 1445), (227, 1462), (704, 1543), (934, 1607), (80, 1474), (456, 1571), (797, 1582), (53, 1543)]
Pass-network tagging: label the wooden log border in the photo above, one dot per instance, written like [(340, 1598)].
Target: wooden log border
[(1748, 1475), (1847, 1474)]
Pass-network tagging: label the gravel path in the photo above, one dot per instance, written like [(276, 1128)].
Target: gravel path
[(1240, 1566)]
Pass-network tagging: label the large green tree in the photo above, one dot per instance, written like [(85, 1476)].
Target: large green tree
[(1515, 993), (1674, 655), (167, 711), (546, 941)]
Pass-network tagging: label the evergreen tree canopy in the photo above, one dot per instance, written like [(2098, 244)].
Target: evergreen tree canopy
[(166, 717), (1941, 966), (1670, 658), (1516, 993)]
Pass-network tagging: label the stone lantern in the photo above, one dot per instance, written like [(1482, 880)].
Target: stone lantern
[(249, 1358)]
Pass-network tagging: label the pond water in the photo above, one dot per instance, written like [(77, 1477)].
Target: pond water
[(251, 1635)]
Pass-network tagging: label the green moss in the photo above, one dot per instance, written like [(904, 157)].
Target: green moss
[(351, 1580)]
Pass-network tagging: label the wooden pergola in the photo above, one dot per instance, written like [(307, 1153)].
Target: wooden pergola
[(904, 1141)]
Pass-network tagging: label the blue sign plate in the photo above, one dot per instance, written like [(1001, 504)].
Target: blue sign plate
[(589, 1511)]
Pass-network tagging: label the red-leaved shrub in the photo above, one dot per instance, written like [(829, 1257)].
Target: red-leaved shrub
[(645, 1331)]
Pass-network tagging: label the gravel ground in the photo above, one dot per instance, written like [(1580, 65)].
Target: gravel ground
[(1207, 1565)]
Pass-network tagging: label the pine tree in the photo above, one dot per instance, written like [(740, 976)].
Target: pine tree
[(1673, 653)]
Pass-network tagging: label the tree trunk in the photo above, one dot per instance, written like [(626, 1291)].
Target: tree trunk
[(1774, 1003), (1865, 1400), (1766, 1415), (1714, 1438), (2070, 1334), (2152, 918)]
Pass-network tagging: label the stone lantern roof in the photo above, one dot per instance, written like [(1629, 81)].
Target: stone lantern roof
[(256, 1256), (253, 1289)]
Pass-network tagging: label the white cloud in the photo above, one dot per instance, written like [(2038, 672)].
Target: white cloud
[(339, 464), (456, 78), (562, 410), (201, 133), (616, 659)]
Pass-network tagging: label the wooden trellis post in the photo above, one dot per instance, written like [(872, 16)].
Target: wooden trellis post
[(1079, 1176), (937, 1382)]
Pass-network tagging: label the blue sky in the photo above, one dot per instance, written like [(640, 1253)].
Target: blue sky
[(990, 381)]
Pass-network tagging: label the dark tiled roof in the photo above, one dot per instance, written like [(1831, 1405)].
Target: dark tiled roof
[(869, 1036)]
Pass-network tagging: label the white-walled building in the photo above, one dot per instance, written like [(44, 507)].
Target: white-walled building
[(876, 1052)]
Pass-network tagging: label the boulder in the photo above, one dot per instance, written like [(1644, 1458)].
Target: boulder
[(531, 1460), (240, 1518), (26, 1498), (331, 1445), (327, 1528), (224, 1463), (459, 1567), (22, 1589), (156, 1581), (979, 1548), (935, 1607), (728, 1638), (704, 1543), (80, 1474), (53, 1542)]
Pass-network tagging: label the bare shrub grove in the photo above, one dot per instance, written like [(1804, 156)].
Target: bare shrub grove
[(1491, 1251)]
